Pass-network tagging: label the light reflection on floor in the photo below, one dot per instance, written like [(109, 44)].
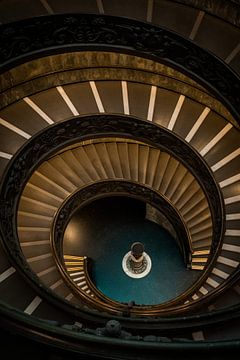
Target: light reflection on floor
[(105, 230)]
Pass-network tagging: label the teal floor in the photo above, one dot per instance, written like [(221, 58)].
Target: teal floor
[(105, 230)]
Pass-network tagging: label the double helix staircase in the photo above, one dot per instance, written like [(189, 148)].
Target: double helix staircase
[(38, 94)]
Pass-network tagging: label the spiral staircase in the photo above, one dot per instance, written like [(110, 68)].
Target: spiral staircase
[(128, 98)]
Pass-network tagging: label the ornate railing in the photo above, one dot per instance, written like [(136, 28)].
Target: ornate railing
[(53, 338), (58, 136), (124, 188), (91, 193), (32, 38), (23, 41)]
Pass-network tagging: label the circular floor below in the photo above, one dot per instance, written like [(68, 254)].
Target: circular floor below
[(105, 230)]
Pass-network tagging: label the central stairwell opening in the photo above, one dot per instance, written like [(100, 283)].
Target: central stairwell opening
[(104, 231)]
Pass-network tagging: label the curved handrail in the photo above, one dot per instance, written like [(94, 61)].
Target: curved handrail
[(87, 341), (100, 189), (25, 40), (60, 135)]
